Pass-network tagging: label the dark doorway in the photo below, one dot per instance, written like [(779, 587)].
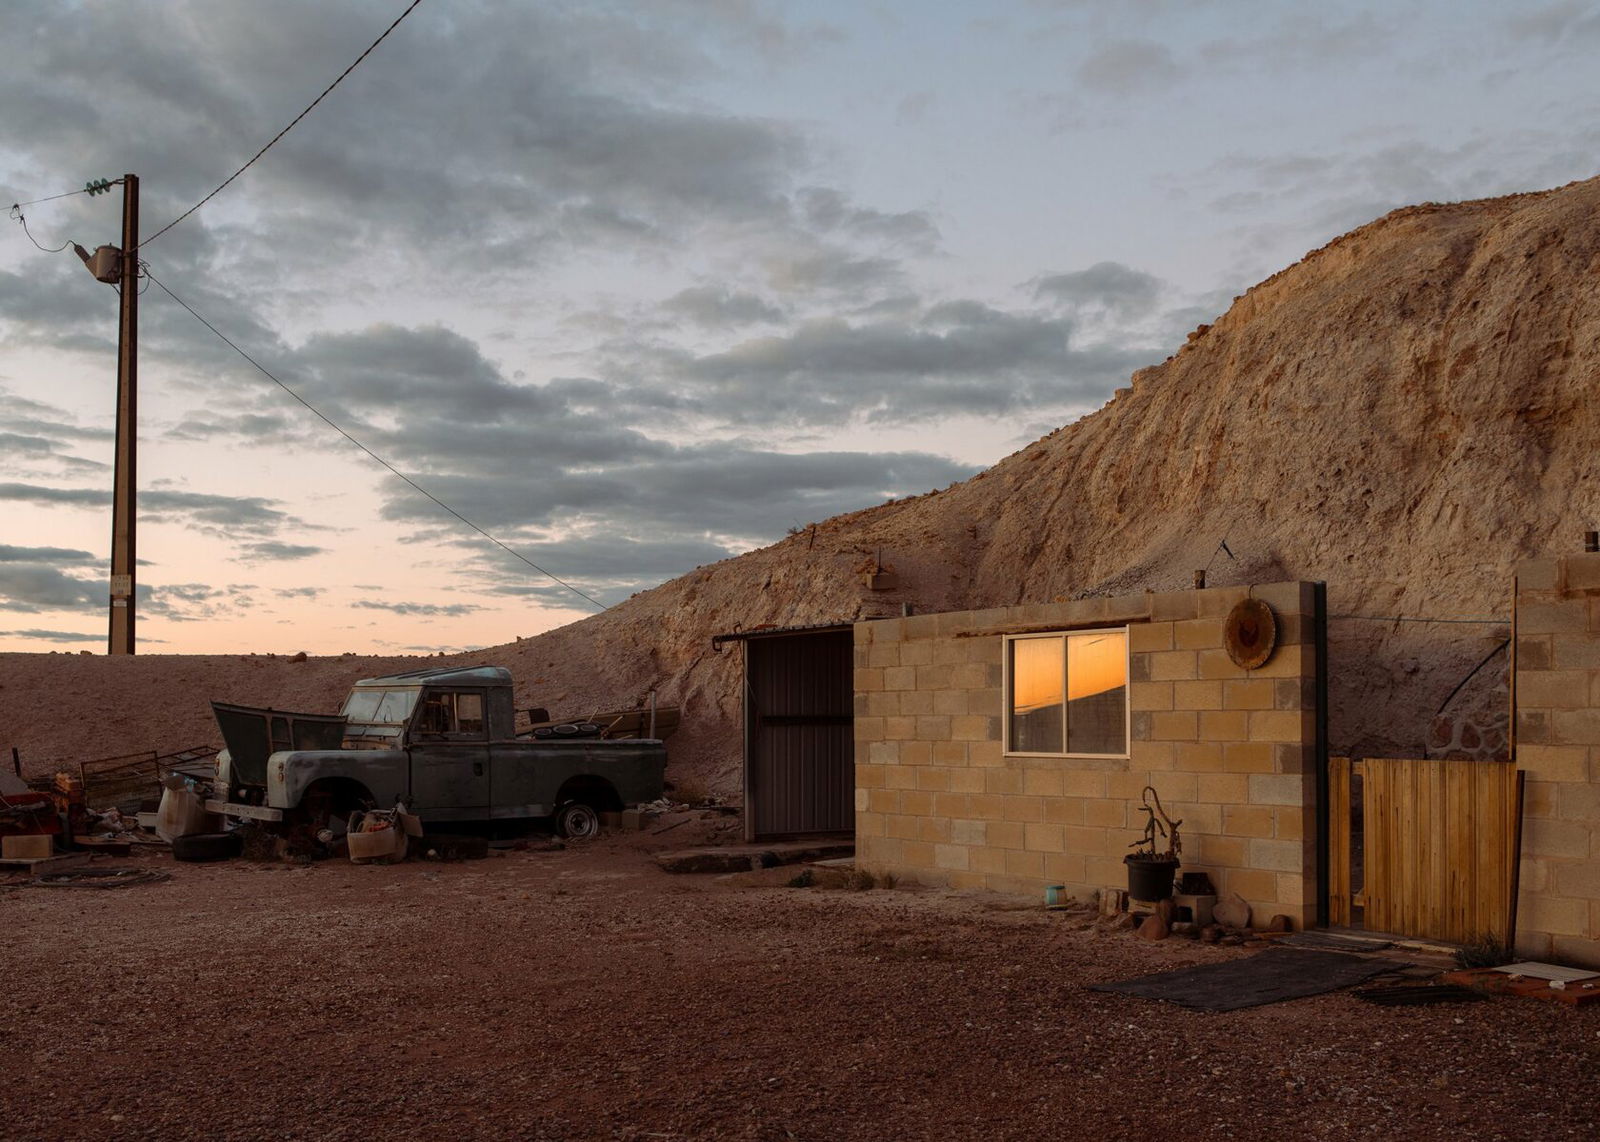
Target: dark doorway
[(799, 758)]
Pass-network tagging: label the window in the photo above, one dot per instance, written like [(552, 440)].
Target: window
[(377, 714), (1067, 694), (450, 714)]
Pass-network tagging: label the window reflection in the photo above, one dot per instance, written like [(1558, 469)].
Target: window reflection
[(1097, 692), (1036, 705), (1068, 693)]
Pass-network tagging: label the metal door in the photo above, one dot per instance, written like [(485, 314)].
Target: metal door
[(450, 756), (799, 734)]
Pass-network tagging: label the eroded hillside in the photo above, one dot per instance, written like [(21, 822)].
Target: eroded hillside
[(1403, 414)]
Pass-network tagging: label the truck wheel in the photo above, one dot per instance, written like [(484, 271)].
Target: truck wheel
[(577, 821)]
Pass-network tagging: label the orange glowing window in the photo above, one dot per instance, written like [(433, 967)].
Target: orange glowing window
[(1068, 693)]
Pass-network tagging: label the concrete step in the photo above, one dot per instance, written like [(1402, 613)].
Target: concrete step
[(742, 858)]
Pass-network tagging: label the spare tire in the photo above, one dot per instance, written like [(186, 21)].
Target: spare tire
[(200, 847)]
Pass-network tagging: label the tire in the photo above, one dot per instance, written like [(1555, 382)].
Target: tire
[(575, 730), (577, 821), (201, 847)]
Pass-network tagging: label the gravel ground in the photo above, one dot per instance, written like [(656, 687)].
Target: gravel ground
[(585, 994)]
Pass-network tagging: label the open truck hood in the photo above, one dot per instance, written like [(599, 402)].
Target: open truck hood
[(254, 734)]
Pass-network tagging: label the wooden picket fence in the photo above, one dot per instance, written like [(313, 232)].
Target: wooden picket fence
[(1439, 847)]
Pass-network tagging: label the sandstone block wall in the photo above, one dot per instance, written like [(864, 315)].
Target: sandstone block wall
[(1557, 696), (1230, 751)]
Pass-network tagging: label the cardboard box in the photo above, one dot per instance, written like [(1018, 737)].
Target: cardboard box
[(32, 847), (379, 845)]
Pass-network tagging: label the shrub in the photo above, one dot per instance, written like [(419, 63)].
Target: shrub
[(1487, 951)]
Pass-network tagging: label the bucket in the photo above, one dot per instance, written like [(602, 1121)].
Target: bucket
[(182, 813), (1150, 879)]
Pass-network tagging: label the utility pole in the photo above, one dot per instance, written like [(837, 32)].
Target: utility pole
[(123, 507), (121, 269)]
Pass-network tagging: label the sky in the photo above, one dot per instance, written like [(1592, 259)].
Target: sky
[(638, 287)]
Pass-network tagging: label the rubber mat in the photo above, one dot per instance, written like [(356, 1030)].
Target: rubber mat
[(1272, 976)]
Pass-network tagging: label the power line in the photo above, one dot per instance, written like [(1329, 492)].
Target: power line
[(318, 413), (16, 212), (283, 132), (48, 198)]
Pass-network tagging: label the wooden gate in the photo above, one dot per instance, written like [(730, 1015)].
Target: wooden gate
[(1437, 844)]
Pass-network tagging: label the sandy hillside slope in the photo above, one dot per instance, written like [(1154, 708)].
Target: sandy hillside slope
[(1404, 413)]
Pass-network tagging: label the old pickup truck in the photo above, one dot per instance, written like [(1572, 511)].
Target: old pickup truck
[(441, 741)]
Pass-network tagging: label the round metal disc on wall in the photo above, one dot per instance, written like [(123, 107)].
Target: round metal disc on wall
[(1250, 633)]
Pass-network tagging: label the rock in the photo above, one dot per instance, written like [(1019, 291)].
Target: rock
[(1280, 923), (1167, 910), (1154, 928), (1210, 934), (299, 656), (1233, 912)]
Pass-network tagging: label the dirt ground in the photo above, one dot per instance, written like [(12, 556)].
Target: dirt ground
[(583, 993)]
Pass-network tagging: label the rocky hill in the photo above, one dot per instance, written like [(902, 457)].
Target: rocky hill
[(1404, 413)]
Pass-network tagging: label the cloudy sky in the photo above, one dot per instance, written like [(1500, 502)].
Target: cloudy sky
[(635, 287)]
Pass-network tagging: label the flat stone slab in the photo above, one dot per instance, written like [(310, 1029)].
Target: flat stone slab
[(743, 858)]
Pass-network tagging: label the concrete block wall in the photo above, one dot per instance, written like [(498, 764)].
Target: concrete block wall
[(1557, 700), (1230, 751)]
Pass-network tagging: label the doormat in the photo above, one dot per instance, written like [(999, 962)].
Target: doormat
[(1272, 976)]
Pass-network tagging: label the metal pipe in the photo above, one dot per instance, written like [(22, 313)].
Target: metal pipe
[(1319, 626)]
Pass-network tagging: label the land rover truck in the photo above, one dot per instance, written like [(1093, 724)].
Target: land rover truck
[(442, 742)]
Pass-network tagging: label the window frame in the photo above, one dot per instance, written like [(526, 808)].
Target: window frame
[(1061, 636), (450, 698)]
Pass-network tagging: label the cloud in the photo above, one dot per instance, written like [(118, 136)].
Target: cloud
[(1111, 287), (957, 357), (215, 514), (1304, 40), (272, 550), (19, 413), (831, 271), (714, 307), (24, 450), (10, 554), (829, 211), (53, 305), (1570, 22), (38, 635), (33, 587), (1129, 67), (448, 610), (300, 592), (48, 496)]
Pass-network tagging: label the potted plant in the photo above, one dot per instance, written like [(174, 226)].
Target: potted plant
[(1151, 870)]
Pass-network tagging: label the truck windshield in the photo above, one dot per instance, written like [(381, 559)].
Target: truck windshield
[(379, 707)]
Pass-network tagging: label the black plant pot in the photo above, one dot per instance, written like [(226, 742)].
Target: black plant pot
[(1150, 879)]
